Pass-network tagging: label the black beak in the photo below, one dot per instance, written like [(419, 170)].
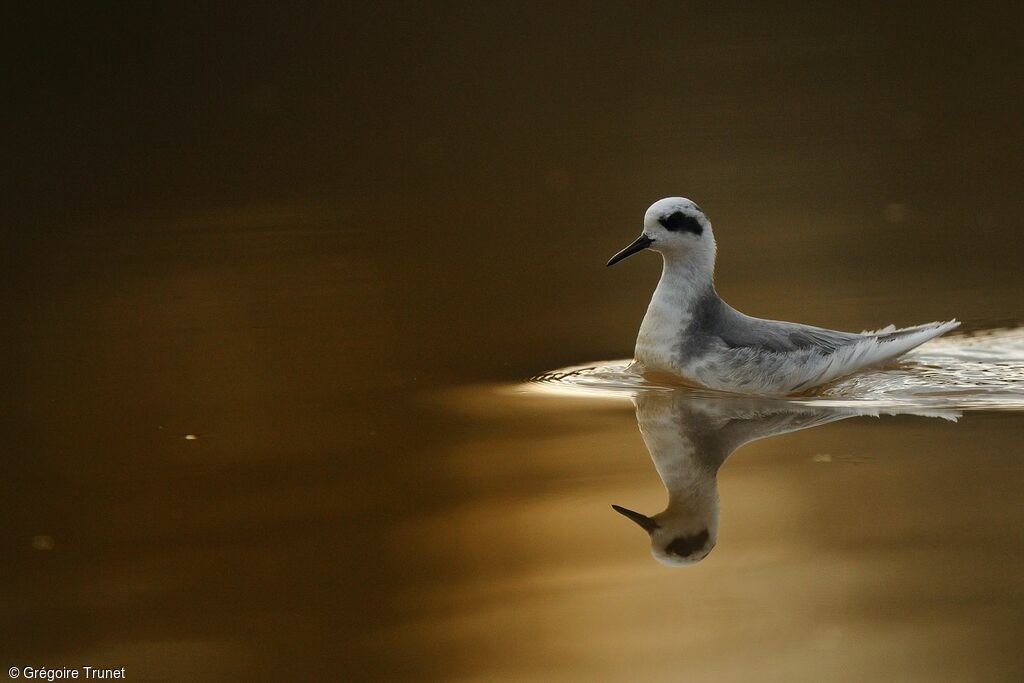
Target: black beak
[(645, 522), (639, 244)]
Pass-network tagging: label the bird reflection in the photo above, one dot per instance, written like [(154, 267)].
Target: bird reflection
[(689, 437)]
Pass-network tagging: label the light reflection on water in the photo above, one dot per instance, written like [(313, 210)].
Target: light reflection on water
[(689, 438)]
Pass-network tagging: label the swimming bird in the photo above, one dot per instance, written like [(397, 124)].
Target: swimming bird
[(691, 333)]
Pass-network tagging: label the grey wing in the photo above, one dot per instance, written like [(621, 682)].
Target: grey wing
[(774, 336)]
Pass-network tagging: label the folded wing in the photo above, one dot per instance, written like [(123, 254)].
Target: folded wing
[(786, 358)]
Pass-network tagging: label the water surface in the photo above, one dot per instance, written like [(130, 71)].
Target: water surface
[(274, 282)]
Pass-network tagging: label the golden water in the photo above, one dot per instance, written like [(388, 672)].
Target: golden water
[(275, 280)]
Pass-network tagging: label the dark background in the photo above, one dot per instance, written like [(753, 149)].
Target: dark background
[(493, 155), (278, 226)]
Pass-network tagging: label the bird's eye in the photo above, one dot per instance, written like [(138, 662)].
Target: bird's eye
[(681, 222)]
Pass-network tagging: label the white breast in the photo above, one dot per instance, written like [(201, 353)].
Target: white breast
[(659, 333), (668, 317)]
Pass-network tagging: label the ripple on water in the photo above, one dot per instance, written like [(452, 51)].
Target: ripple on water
[(982, 370)]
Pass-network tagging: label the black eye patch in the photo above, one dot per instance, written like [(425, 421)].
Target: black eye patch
[(684, 546), (681, 222)]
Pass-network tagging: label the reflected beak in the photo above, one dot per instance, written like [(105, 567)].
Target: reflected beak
[(639, 244), (645, 522)]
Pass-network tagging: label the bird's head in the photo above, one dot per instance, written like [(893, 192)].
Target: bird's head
[(675, 227)]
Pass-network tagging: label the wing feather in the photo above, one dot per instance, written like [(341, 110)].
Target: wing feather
[(785, 358)]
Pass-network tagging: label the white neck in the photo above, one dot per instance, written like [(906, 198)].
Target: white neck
[(684, 278)]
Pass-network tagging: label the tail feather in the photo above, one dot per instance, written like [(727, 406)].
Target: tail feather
[(911, 337), (888, 344), (875, 348)]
